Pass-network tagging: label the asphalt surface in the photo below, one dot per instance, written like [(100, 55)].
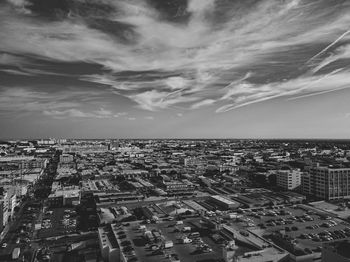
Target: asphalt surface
[(186, 252)]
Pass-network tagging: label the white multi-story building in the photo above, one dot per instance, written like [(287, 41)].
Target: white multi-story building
[(289, 179)]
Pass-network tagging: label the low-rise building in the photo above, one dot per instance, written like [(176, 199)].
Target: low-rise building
[(224, 202)]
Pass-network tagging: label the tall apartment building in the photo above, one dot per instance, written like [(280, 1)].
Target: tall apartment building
[(288, 179), (327, 183)]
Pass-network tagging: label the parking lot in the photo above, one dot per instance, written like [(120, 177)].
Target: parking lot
[(308, 228), (188, 252), (57, 221)]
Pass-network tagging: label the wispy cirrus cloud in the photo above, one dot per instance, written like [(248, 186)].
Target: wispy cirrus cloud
[(76, 113), (204, 52), (295, 88), (19, 101)]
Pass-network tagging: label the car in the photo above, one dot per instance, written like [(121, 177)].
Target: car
[(4, 245), (207, 250), (244, 233)]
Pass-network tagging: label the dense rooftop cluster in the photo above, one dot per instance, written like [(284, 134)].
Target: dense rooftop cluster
[(174, 200)]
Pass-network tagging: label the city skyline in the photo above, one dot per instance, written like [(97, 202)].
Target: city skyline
[(174, 69)]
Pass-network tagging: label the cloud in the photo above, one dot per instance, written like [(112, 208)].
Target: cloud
[(75, 113), (176, 82), (24, 100), (303, 86), (21, 6), (202, 103), (20, 101), (329, 46), (120, 114), (15, 72), (231, 52), (8, 59), (340, 53), (154, 100)]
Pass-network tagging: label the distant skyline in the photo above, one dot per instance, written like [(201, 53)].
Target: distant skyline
[(175, 69)]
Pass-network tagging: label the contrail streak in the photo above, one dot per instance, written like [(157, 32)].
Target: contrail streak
[(329, 46)]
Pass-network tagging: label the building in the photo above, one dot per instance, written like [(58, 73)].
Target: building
[(306, 184), (110, 241), (336, 251), (4, 211), (224, 202), (65, 196), (46, 142), (134, 173), (100, 185), (23, 162), (328, 183), (85, 149), (110, 250), (179, 188), (66, 158), (8, 203), (106, 198), (288, 179), (193, 161)]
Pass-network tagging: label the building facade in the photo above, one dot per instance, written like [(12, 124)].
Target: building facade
[(288, 179), (328, 183)]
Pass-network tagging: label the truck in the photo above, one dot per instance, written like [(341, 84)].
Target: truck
[(179, 222), (15, 253), (186, 229), (142, 227), (186, 240), (77, 246), (168, 244)]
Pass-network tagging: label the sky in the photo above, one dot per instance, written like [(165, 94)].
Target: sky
[(175, 69)]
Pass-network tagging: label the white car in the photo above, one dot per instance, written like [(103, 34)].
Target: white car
[(4, 245)]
